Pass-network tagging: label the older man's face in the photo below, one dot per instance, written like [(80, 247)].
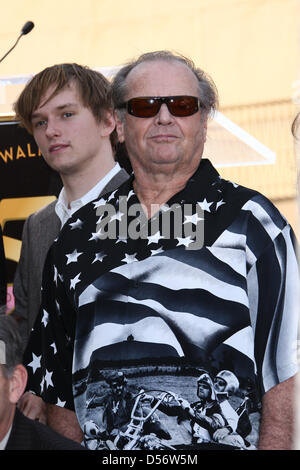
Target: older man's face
[(163, 143)]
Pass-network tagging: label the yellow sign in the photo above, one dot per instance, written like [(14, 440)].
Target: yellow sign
[(18, 209)]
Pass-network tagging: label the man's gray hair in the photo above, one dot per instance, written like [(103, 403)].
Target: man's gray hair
[(11, 343), (207, 90)]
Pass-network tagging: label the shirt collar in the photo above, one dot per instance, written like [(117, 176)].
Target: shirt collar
[(5, 439), (64, 212), (203, 181)]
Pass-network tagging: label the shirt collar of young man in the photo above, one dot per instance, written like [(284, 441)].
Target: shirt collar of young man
[(62, 209)]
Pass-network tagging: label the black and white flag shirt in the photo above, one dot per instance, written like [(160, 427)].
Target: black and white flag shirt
[(138, 314)]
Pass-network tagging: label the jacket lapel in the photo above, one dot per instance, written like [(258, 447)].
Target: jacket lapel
[(115, 182)]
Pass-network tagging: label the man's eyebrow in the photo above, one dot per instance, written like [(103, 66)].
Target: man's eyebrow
[(37, 114)]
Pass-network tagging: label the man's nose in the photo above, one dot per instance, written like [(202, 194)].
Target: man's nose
[(52, 128), (164, 116)]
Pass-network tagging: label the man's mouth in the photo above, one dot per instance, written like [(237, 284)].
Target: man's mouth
[(57, 148), (164, 137)]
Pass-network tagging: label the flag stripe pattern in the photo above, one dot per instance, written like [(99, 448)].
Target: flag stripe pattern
[(124, 303)]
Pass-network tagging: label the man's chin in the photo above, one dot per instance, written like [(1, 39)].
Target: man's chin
[(64, 169), (166, 159)]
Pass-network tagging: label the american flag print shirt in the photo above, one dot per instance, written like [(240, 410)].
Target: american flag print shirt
[(155, 344)]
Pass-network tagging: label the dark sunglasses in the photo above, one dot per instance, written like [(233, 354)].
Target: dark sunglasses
[(149, 106)]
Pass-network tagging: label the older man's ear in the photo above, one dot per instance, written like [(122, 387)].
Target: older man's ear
[(17, 383)]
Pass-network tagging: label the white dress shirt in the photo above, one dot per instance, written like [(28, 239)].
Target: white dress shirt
[(5, 439), (64, 212)]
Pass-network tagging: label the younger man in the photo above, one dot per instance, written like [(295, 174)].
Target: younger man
[(67, 108)]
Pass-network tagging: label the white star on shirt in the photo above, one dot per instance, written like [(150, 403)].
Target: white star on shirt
[(184, 241), (45, 318), (60, 403), (55, 274), (131, 193), (220, 203), (72, 257), (35, 363), (48, 379), (112, 195), (94, 237), (155, 238), (42, 384), (58, 311), (129, 258), (194, 219), (122, 239), (100, 219), (117, 216), (53, 345), (205, 205), (99, 203), (74, 281), (77, 224), (101, 232), (156, 252), (99, 257)]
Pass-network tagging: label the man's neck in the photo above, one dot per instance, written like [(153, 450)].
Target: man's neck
[(77, 185), (155, 188)]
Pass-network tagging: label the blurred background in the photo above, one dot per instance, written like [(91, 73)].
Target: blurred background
[(249, 47)]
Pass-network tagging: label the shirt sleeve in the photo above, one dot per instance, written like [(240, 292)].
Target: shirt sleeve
[(20, 285), (273, 288), (49, 354)]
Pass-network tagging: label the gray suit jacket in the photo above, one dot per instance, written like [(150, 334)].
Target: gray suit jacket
[(39, 232)]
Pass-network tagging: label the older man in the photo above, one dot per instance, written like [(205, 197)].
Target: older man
[(16, 431), (178, 270)]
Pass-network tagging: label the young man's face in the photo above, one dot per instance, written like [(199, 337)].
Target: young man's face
[(67, 133)]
